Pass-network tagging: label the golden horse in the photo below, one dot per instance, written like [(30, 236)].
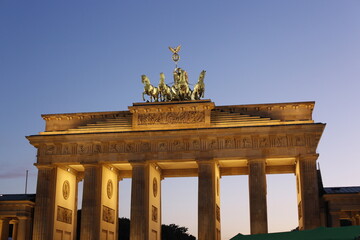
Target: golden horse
[(164, 90), (199, 89), (181, 89), (149, 89)]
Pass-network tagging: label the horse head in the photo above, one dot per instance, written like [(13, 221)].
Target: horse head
[(202, 76), (145, 79), (162, 78)]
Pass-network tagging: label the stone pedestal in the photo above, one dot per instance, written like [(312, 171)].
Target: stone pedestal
[(45, 201), (209, 201), (308, 193), (4, 229), (145, 202), (99, 215), (257, 194)]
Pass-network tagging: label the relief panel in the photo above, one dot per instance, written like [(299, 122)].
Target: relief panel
[(108, 215), (64, 215)]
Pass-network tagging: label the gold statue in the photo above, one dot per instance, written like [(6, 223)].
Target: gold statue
[(149, 89), (175, 56), (180, 90), (164, 89), (199, 89)]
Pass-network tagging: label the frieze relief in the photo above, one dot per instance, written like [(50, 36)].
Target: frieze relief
[(97, 148), (64, 215), (108, 215), (50, 150), (84, 148), (193, 144), (187, 117), (117, 147), (66, 149), (154, 213)]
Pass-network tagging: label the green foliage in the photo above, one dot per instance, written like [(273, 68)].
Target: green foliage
[(168, 232), (174, 232)]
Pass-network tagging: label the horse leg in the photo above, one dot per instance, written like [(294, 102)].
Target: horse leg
[(143, 96), (193, 94), (169, 95)]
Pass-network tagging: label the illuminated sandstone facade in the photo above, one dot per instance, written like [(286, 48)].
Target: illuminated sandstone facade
[(153, 141), (16, 210)]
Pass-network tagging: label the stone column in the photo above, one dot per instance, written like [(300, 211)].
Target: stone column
[(308, 193), (257, 195), (99, 214), (335, 220), (208, 200), (4, 228), (24, 228), (91, 204), (15, 229), (357, 219), (45, 199), (145, 202)]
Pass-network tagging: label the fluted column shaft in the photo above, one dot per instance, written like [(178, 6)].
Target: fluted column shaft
[(24, 228), (4, 229), (257, 194), (139, 191), (308, 193), (91, 203), (15, 229), (45, 199), (208, 201), (145, 202), (335, 220)]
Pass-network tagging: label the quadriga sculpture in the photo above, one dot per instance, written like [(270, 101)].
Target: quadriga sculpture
[(181, 85), (149, 89), (179, 91), (165, 90)]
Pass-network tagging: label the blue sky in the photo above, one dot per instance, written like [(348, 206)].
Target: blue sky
[(79, 56)]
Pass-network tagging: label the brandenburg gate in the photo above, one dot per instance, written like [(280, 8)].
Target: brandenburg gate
[(183, 137)]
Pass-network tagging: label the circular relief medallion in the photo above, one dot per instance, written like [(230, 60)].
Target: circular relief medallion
[(66, 189), (109, 189), (155, 187)]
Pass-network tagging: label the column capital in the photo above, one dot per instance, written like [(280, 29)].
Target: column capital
[(307, 157), (14, 221), (205, 160), (256, 160), (138, 163), (44, 166), (79, 177)]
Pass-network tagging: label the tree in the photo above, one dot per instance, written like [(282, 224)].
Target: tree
[(174, 232), (124, 229), (168, 232)]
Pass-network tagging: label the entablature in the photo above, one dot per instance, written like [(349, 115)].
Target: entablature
[(170, 145)]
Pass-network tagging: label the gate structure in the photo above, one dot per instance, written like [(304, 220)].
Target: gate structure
[(152, 141)]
